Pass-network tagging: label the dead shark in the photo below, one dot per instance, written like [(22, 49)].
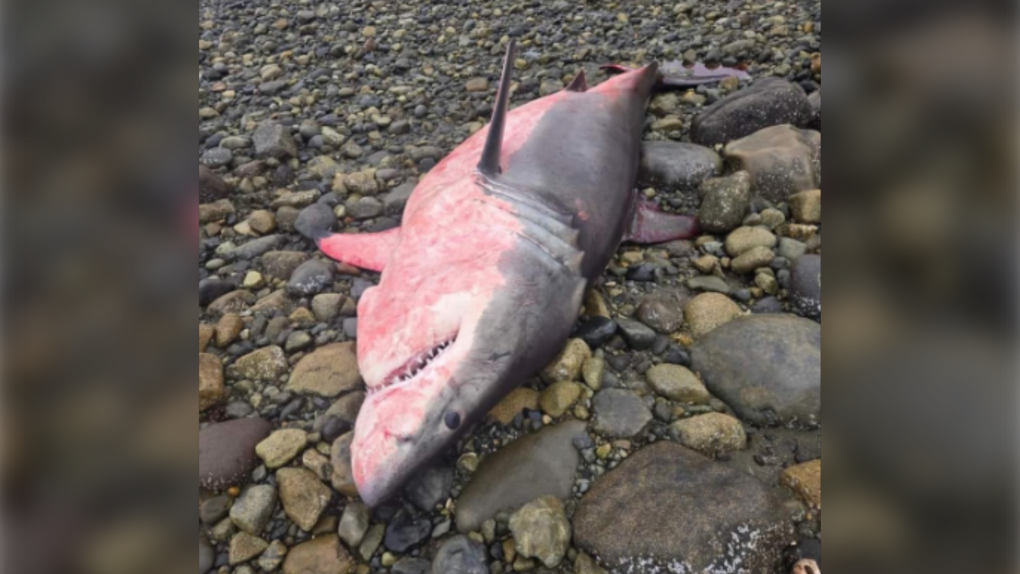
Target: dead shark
[(482, 283)]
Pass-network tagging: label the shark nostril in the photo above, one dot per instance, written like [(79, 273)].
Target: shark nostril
[(452, 420)]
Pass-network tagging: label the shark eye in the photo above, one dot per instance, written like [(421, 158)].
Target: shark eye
[(452, 420)]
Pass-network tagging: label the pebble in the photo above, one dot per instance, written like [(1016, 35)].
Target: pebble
[(677, 383), (406, 531), (217, 157), (206, 555), (708, 311), (326, 372), (559, 397), (806, 206), (244, 547), (638, 335), (567, 365), (282, 447), (752, 259), (541, 530), (709, 283), (619, 413), (303, 496), (745, 238), (766, 102), (226, 451), (274, 140), (340, 457), (724, 202), (210, 381), (310, 277), (596, 331), (806, 480), (430, 487), (253, 508), (460, 555), (321, 555), (711, 434), (806, 286), (354, 524)]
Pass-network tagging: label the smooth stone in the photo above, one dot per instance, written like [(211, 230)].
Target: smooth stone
[(752, 259), (281, 447), (567, 365), (206, 555), (396, 198), (244, 547), (711, 434), (766, 102), (281, 264), (661, 313), (274, 140), (303, 496), (767, 368), (310, 277), (253, 508), (217, 157), (541, 530), (709, 283), (632, 515), (511, 405), (412, 566), (210, 381), (266, 364), (255, 247), (539, 464), (596, 331), (742, 239), (708, 311), (805, 479), (806, 206), (677, 166), (558, 397), (354, 524), (226, 451), (677, 383), (460, 555), (343, 475), (724, 202), (619, 413), (815, 99), (315, 221), (639, 336), (805, 291), (322, 555), (782, 160), (211, 186), (326, 372)]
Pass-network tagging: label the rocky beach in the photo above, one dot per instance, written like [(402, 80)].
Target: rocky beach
[(678, 431)]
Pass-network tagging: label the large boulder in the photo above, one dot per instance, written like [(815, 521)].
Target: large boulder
[(669, 509), (782, 160), (767, 368), (767, 102)]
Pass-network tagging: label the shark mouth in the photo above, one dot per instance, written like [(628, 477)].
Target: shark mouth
[(413, 367)]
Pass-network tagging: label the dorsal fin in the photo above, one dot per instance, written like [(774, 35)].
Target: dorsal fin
[(578, 84), (489, 164)]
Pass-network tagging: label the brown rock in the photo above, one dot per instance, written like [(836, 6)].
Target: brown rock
[(210, 381), (340, 458), (477, 85), (567, 365), (267, 363), (215, 211), (327, 372), (244, 547), (806, 480), (782, 160), (281, 447), (211, 186), (710, 434), (303, 496), (708, 311), (806, 206), (322, 555), (262, 221), (205, 334), (234, 301), (677, 383), (519, 399), (228, 328), (558, 397)]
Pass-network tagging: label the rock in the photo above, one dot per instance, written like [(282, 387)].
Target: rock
[(596, 331), (209, 212), (327, 372), (253, 508), (276, 303), (406, 531), (232, 302), (206, 555), (265, 364), (362, 183), (766, 102), (322, 555), (228, 328), (815, 99), (745, 238), (677, 383), (586, 565), (373, 539), (364, 208), (752, 259), (709, 283), (619, 413), (340, 458), (782, 160), (281, 447), (215, 509), (567, 365), (226, 451), (303, 496), (806, 206), (281, 264), (274, 140), (211, 186), (310, 277), (677, 166), (326, 306), (806, 286), (354, 524), (210, 381), (724, 202), (315, 221), (273, 556), (519, 399), (631, 516), (711, 434), (296, 199), (477, 85), (541, 530), (663, 316), (430, 487), (412, 566), (255, 247), (805, 480), (212, 289), (460, 555), (708, 311), (395, 200), (791, 249), (593, 371), (244, 547), (323, 167), (262, 221), (346, 408), (539, 464), (638, 336), (558, 397), (217, 157), (768, 368)]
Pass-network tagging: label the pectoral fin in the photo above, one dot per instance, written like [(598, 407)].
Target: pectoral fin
[(652, 225), (366, 250)]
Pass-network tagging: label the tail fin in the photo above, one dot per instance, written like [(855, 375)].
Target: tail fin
[(489, 164)]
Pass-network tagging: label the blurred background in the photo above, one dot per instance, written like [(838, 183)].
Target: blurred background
[(98, 404)]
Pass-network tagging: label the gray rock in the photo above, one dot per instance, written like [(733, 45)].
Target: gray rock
[(315, 221), (806, 286), (255, 247), (326, 306), (364, 208), (767, 102), (396, 199), (676, 165), (619, 413), (206, 555), (310, 277), (768, 368), (790, 248), (782, 160), (214, 509), (217, 157), (638, 335), (430, 487), (539, 464), (677, 383), (211, 186), (709, 283), (661, 314), (724, 202), (354, 524), (460, 555), (406, 531), (253, 508), (274, 140), (631, 517), (412, 566), (815, 99), (281, 264), (226, 451)]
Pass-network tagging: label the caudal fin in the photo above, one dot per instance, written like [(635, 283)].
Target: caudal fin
[(489, 164)]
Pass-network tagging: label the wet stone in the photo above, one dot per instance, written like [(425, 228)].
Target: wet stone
[(638, 336), (596, 331), (619, 413), (310, 277), (766, 102), (405, 532), (460, 555)]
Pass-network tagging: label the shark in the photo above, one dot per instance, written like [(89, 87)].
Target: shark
[(482, 282)]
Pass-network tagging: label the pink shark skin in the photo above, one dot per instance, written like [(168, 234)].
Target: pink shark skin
[(509, 248)]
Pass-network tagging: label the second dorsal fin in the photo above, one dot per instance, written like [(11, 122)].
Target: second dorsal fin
[(489, 164), (578, 84)]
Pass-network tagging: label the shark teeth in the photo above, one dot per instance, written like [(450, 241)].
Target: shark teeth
[(415, 366)]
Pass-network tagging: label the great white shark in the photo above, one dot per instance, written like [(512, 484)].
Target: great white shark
[(483, 281)]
